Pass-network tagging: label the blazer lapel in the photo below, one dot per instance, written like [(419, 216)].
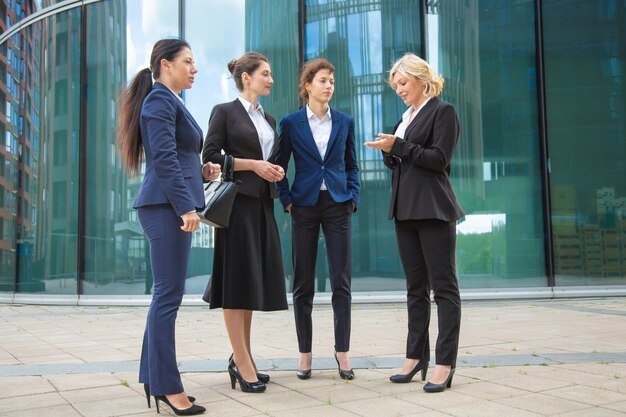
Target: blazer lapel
[(336, 122), (243, 114), (193, 122), (306, 132), (276, 144), (420, 116)]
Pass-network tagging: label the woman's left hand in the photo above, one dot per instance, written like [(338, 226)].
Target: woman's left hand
[(191, 222), (211, 171), (384, 142)]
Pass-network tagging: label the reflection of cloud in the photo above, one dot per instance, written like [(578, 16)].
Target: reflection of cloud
[(481, 223), (206, 34), (148, 21)]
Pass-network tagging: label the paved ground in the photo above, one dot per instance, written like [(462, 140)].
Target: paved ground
[(516, 358)]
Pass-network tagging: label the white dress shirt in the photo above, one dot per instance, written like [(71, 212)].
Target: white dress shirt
[(320, 128), (263, 128), (407, 118)]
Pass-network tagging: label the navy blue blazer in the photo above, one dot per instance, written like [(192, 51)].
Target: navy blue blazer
[(338, 168), (172, 141)]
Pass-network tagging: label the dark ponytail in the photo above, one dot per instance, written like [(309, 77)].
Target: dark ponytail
[(129, 142)]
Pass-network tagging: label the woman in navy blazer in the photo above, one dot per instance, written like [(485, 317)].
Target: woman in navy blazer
[(425, 210), (155, 123), (325, 192)]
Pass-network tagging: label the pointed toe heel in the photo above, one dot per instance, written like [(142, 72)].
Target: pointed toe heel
[(430, 387), (191, 411), (404, 378), (347, 375), (303, 374)]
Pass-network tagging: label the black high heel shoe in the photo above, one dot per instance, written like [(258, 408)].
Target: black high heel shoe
[(264, 378), (146, 388), (347, 375), (304, 374), (430, 387), (191, 411), (404, 378), (245, 386)]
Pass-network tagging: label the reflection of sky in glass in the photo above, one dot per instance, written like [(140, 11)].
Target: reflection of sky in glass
[(215, 39), (481, 223), (312, 44), (147, 22), (365, 43), (432, 27)]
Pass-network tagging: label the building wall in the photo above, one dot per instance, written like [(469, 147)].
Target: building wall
[(67, 225)]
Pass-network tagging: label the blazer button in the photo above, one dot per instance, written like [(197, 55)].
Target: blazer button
[(323, 166)]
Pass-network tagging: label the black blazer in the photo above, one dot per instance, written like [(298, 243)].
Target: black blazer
[(421, 187), (232, 130)]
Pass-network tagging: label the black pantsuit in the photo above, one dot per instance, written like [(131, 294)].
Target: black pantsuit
[(425, 209), (427, 253), (335, 220)]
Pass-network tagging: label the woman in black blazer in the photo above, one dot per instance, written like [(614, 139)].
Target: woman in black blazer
[(247, 266), (425, 210)]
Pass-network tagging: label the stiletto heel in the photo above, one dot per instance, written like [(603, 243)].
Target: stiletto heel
[(191, 411), (146, 389), (430, 387), (232, 379), (404, 378), (347, 375), (244, 385)]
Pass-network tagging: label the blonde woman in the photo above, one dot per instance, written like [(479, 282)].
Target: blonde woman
[(425, 211)]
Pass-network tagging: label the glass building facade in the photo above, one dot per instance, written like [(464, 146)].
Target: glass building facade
[(539, 86)]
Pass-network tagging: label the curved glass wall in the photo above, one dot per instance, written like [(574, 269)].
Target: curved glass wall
[(40, 128), (57, 239)]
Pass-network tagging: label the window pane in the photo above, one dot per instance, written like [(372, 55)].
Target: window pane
[(486, 52), (120, 36), (246, 23), (42, 176), (362, 40), (586, 103)]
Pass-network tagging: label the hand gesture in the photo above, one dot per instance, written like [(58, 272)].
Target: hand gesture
[(268, 171), (384, 142)]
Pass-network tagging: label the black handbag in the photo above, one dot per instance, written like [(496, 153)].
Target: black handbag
[(219, 196)]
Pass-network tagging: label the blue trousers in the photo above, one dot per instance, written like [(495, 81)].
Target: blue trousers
[(169, 254)]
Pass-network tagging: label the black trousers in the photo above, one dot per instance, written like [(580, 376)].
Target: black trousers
[(427, 250), (336, 222)]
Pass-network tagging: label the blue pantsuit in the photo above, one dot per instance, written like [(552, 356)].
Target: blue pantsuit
[(171, 187)]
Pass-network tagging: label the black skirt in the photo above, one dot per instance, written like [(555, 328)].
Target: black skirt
[(248, 266)]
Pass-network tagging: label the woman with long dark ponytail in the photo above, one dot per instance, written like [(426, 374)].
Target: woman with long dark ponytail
[(156, 126)]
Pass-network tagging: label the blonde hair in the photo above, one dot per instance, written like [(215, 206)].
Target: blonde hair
[(410, 65)]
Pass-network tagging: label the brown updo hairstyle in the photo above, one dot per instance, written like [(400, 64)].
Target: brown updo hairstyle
[(248, 62), (309, 69), (410, 65)]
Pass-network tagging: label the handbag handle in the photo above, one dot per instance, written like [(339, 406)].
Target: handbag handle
[(229, 168)]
